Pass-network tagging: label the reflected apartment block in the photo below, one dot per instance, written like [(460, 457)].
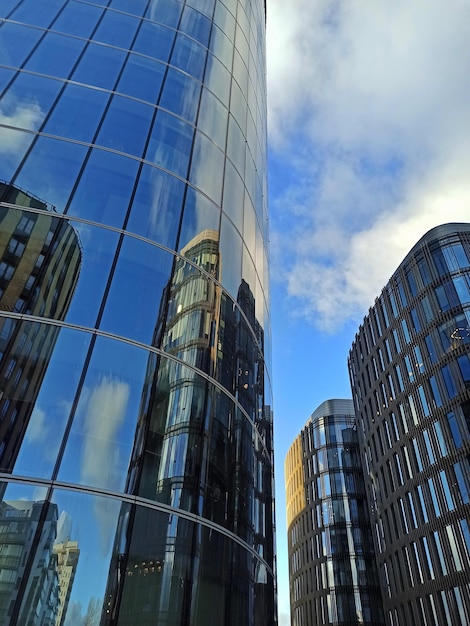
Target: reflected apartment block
[(67, 553), (39, 266), (332, 573), (134, 306), (27, 536), (410, 375)]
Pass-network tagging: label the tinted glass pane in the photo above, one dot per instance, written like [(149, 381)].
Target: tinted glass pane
[(125, 126), (154, 40), (51, 170), (56, 55), (33, 13), (116, 29), (51, 402), (106, 417), (28, 100), (77, 113), (78, 19), (199, 214), (165, 11), (99, 66), (105, 188), (181, 95), (207, 167), (97, 254), (170, 143), (141, 78), (156, 209), (189, 56), (132, 310)]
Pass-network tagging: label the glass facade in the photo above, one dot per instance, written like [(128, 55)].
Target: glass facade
[(409, 368), (332, 571), (136, 469)]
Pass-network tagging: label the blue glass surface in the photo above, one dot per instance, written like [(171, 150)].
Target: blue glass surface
[(56, 56), (106, 416), (99, 66), (78, 113), (28, 100), (16, 42), (157, 205), (165, 11), (199, 214), (51, 170), (180, 95), (141, 78), (78, 19), (170, 143), (196, 25), (154, 40), (98, 247), (7, 6), (125, 126), (46, 426), (116, 29), (37, 13), (135, 297), (104, 188), (207, 167), (189, 56)]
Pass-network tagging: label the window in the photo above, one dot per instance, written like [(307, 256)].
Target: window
[(449, 381), (454, 430)]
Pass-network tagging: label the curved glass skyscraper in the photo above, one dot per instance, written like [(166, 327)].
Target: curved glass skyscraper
[(332, 572), (410, 374), (135, 399)]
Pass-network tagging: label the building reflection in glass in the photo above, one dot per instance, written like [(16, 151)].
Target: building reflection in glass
[(198, 452), (40, 261)]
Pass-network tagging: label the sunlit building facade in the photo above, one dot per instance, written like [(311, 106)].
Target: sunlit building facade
[(135, 396), (332, 572), (410, 375)]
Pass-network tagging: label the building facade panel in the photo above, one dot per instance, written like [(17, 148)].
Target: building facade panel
[(134, 325), (409, 373)]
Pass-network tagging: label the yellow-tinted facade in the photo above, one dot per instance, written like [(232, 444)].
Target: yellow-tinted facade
[(295, 481)]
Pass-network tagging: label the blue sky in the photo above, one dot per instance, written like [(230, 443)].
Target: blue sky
[(369, 118)]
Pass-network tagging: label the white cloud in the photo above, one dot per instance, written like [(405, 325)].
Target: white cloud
[(369, 110), (27, 115), (101, 463)]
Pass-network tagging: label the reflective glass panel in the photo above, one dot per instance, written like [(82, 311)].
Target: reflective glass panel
[(77, 113), (56, 56), (104, 188), (51, 170), (125, 126), (106, 416), (132, 307), (157, 205)]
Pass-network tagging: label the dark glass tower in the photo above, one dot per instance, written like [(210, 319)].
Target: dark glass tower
[(410, 374), (135, 398), (332, 572)]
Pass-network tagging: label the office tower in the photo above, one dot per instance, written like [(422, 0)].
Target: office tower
[(332, 573), (134, 334), (410, 375), (67, 553)]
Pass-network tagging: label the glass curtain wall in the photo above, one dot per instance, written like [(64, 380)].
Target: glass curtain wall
[(135, 397), (410, 374), (332, 571)]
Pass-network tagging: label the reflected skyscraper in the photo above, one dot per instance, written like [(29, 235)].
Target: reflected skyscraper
[(142, 124)]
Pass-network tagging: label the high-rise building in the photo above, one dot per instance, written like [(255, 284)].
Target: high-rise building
[(135, 396), (410, 374), (67, 553), (332, 572)]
